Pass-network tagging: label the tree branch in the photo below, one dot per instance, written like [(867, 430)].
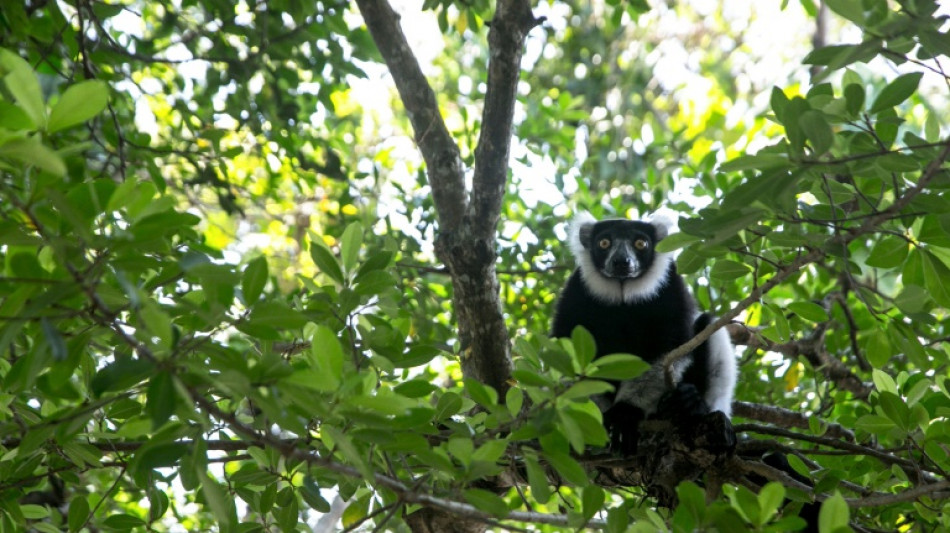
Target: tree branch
[(785, 418), (513, 20), (408, 494), (812, 349), (441, 154), (466, 238)]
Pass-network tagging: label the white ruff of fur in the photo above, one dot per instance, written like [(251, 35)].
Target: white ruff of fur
[(722, 373), (612, 291)]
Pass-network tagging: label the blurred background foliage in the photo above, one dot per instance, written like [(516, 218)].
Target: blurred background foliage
[(217, 243)]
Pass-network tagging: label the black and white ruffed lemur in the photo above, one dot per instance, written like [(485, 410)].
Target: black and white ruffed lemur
[(631, 300)]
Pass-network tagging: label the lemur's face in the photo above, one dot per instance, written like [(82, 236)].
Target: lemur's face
[(621, 249)]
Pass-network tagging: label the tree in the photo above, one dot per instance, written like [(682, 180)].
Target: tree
[(223, 285)]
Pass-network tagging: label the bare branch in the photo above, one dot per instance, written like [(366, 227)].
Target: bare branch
[(934, 490), (441, 154), (811, 348), (513, 20), (786, 418)]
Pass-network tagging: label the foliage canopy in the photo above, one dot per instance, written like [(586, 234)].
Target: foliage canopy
[(234, 297)]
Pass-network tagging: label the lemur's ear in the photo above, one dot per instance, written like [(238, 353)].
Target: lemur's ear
[(579, 233), (583, 233), (663, 223)]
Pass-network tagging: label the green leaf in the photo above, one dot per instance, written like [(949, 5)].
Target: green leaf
[(883, 382), (829, 55), (415, 388), (584, 347), (692, 500), (254, 279), (587, 417), (449, 404), (355, 512), (558, 360), (160, 399), (157, 323), (889, 252), (532, 379), (817, 131), (586, 389), (567, 467), (537, 479), (849, 9), (55, 340), (276, 314), (936, 279), (22, 83), (894, 408), (728, 270), (34, 512), (159, 455), (32, 152), (323, 258), (877, 349), (487, 501), (326, 358), (875, 424), (375, 282), (218, 501), (779, 103), (834, 514), (770, 499), (491, 451), (157, 504), (350, 245), (746, 503), (896, 91), (854, 95), (79, 103), (809, 311), (310, 493), (618, 366), (122, 522), (675, 242), (78, 513), (570, 430), (754, 162), (482, 394), (121, 375), (592, 499), (375, 262), (514, 401)]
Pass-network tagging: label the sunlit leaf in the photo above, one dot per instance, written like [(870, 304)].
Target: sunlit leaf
[(350, 245), (254, 279), (325, 261), (834, 514), (79, 103), (809, 311), (23, 85)]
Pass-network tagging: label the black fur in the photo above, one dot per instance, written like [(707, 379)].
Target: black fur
[(647, 329), (629, 306)]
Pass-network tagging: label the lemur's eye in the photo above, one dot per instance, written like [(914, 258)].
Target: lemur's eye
[(604, 243), (640, 244)]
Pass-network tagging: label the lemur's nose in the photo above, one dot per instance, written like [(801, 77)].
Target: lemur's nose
[(623, 264)]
